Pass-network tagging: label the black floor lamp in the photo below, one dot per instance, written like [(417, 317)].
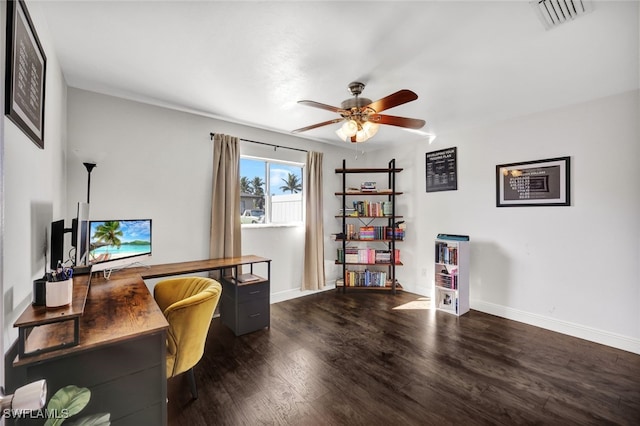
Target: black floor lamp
[(89, 167)]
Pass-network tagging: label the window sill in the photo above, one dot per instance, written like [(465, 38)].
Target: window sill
[(271, 225)]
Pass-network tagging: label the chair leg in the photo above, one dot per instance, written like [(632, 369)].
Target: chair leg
[(192, 383)]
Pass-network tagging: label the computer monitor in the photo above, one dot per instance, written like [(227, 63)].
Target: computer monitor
[(80, 234), (56, 246), (118, 243)]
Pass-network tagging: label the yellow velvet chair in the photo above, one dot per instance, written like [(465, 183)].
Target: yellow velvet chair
[(188, 304)]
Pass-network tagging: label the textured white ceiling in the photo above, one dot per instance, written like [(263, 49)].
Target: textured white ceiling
[(249, 62)]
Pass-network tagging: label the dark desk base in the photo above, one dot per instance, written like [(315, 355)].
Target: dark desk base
[(121, 354), (127, 380), (245, 308)]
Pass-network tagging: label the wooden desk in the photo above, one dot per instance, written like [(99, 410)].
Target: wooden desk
[(169, 269), (121, 350), (244, 307), (120, 355)]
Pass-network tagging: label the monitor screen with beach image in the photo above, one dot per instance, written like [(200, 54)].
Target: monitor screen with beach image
[(118, 243)]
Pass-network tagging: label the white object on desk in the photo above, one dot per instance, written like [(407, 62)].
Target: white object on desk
[(59, 293)]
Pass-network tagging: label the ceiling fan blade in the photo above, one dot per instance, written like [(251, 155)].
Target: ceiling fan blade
[(411, 123), (322, 106), (393, 100), (313, 126)]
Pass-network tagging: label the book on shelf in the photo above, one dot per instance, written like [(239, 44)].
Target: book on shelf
[(453, 237), (366, 278), (367, 256), (371, 208), (447, 281), (347, 211), (368, 187), (369, 233), (380, 233), (394, 233), (446, 254)]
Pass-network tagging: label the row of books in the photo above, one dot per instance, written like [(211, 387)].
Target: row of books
[(446, 254), (367, 256), (447, 281), (372, 208), (366, 278), (380, 233)]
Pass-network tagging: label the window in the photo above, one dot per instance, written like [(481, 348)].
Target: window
[(270, 191)]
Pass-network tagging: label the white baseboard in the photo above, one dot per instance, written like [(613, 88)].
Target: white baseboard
[(281, 296), (576, 330)]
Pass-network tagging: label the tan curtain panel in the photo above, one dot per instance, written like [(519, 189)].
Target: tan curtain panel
[(313, 271), (225, 200)]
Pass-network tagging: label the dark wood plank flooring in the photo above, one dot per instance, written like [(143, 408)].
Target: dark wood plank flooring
[(355, 359)]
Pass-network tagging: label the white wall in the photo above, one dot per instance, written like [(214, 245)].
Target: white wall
[(570, 269), (156, 163), (548, 266), (34, 188)]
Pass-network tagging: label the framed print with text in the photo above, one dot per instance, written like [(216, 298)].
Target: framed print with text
[(533, 183), (25, 73), (442, 170)]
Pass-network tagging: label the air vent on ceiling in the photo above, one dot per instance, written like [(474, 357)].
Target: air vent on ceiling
[(555, 12)]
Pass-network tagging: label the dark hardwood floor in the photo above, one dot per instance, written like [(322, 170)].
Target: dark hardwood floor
[(356, 359)]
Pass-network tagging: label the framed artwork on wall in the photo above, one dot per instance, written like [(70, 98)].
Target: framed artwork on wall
[(533, 183), (26, 66), (442, 170)]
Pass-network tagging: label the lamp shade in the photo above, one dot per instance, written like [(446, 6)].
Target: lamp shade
[(361, 136), (341, 134), (370, 128), (350, 128)]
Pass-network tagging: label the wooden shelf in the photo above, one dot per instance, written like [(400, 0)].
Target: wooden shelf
[(369, 241), (368, 206), (339, 216), (387, 287), (38, 315), (368, 193), (35, 318), (258, 279), (366, 170), (370, 264)]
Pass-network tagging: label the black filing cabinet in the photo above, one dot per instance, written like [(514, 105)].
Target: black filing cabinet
[(244, 307)]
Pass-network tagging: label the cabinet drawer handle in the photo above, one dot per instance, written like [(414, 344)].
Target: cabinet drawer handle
[(254, 315), (254, 292)]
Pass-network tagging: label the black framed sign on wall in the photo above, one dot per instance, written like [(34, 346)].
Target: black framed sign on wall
[(25, 73), (534, 183), (442, 170)]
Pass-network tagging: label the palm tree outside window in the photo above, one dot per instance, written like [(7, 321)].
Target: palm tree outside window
[(271, 191), (292, 184)]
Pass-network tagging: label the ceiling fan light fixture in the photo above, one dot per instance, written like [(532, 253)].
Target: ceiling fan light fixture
[(361, 136), (370, 128), (361, 118), (341, 134), (350, 128)]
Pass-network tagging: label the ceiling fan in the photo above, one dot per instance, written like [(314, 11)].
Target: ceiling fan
[(362, 117)]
